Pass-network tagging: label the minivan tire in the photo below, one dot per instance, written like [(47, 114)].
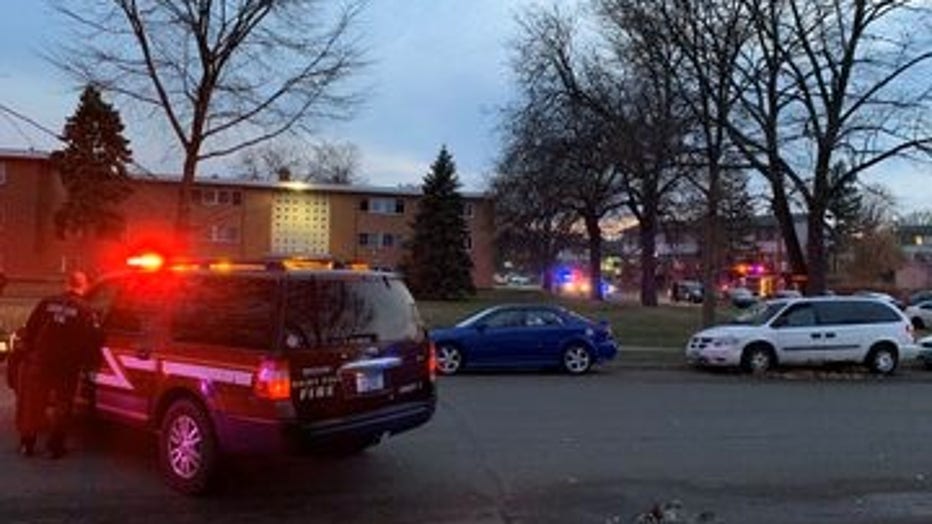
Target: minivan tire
[(758, 359), (187, 448), (882, 359)]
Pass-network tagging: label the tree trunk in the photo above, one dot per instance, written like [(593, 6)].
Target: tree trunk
[(648, 240), (710, 253), (595, 257), (183, 215), (815, 251), (781, 210)]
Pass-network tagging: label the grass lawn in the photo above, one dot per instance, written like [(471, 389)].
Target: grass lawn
[(633, 325)]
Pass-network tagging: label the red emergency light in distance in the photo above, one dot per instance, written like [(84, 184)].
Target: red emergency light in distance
[(146, 261)]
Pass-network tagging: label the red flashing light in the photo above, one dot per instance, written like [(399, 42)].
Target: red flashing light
[(146, 261), (273, 380)]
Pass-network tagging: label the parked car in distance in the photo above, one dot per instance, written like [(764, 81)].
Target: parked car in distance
[(524, 336), (925, 351), (741, 297), (919, 296), (920, 314), (813, 330), (686, 291)]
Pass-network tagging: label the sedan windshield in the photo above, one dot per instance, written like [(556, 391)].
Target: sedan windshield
[(760, 314)]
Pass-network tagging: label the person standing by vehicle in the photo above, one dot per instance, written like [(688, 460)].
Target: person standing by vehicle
[(61, 337)]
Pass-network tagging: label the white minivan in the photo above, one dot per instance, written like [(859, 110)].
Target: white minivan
[(813, 330)]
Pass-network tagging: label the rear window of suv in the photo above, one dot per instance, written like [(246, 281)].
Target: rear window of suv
[(227, 311), (840, 312), (321, 312)]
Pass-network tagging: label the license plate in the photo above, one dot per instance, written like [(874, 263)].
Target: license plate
[(369, 381)]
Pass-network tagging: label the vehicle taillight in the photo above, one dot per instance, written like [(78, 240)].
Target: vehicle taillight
[(432, 362), (273, 381)]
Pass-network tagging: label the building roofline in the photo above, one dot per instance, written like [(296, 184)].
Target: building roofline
[(32, 154), (299, 186), (28, 154)]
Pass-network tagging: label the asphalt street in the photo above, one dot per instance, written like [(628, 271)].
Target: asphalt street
[(533, 447)]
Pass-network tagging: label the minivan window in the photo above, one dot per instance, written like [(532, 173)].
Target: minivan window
[(321, 312), (868, 312), (798, 315), (224, 311), (843, 312)]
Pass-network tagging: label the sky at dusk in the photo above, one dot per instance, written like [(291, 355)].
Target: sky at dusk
[(439, 75)]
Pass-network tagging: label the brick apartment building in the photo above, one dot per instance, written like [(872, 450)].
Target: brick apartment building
[(230, 218)]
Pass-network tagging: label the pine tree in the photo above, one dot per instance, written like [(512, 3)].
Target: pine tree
[(92, 167), (437, 264)]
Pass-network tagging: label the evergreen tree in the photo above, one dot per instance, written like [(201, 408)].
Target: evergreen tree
[(438, 265), (92, 167)]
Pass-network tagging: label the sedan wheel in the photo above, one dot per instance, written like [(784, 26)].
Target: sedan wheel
[(577, 360), (449, 359)]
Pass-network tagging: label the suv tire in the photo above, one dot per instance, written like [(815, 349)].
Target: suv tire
[(187, 448), (882, 359), (757, 359)]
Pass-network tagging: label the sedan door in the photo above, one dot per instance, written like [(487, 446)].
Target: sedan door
[(501, 339), (798, 335), (546, 333)]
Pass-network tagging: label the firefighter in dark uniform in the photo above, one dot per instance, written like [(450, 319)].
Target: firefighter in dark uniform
[(62, 337)]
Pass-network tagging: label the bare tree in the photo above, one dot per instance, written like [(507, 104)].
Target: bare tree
[(559, 122), (334, 163), (532, 224), (224, 75), (696, 44), (833, 82), (271, 161)]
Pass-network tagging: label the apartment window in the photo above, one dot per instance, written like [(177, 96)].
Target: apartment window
[(469, 242), (222, 234), (2, 173), (383, 206), (468, 210), (237, 198), (223, 197), (388, 240), (364, 239)]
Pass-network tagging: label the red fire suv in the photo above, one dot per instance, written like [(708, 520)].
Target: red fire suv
[(232, 357)]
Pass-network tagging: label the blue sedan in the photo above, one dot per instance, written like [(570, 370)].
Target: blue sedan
[(524, 336)]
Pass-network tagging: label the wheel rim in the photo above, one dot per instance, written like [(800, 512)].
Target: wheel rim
[(184, 446), (884, 361), (760, 361), (576, 360), (448, 359)]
